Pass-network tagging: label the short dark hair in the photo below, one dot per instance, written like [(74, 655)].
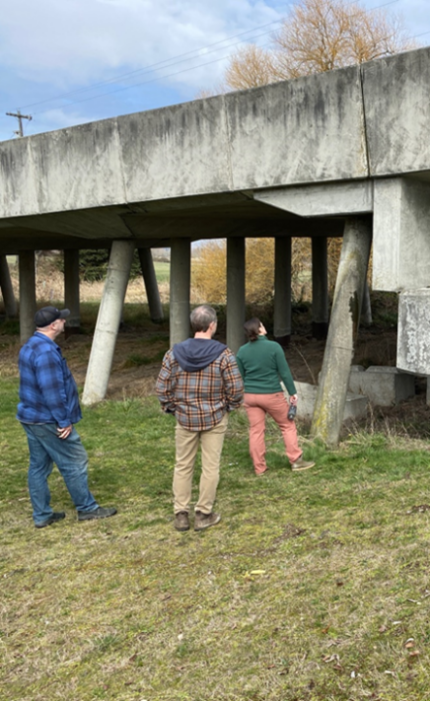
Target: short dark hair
[(201, 317), (252, 328)]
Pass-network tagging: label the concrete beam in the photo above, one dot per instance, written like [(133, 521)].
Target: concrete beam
[(325, 199), (320, 305), (282, 300), (27, 295), (180, 281), (108, 321), (235, 293), (8, 295), (345, 316), (151, 285), (413, 348), (71, 291), (401, 241)]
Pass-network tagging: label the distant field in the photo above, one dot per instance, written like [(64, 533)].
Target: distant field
[(162, 271)]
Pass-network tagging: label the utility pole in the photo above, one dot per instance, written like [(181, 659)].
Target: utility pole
[(19, 117)]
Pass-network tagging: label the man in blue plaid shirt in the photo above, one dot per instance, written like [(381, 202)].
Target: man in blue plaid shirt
[(48, 408), (199, 383)]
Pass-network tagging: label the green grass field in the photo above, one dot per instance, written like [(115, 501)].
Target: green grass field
[(162, 271), (315, 585)]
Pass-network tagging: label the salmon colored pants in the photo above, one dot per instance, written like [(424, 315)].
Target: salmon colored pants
[(257, 406)]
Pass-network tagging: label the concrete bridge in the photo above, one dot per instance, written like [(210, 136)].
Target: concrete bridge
[(344, 153)]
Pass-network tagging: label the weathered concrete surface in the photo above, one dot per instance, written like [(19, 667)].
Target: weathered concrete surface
[(413, 347), (151, 285), (71, 291), (235, 293), (322, 200), (383, 386), (345, 316), (282, 296), (180, 277), (9, 300), (396, 99), (320, 302), (401, 245), (27, 295), (108, 321), (355, 404)]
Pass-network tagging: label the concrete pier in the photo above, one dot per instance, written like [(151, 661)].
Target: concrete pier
[(345, 316), (151, 285), (180, 280), (235, 293), (71, 291), (282, 300), (320, 304), (108, 322), (27, 295), (9, 300)]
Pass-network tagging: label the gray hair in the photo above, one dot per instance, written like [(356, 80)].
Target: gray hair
[(201, 317)]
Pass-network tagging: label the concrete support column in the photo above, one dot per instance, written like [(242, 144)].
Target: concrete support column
[(366, 309), (9, 300), (235, 293), (282, 300), (180, 280), (319, 287), (71, 291), (345, 316), (108, 321), (151, 285), (27, 294)]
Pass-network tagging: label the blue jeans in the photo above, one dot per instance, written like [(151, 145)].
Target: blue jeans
[(71, 459)]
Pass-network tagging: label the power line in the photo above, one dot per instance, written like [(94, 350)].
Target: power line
[(159, 64)]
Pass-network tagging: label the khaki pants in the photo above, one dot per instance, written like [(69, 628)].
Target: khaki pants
[(187, 444)]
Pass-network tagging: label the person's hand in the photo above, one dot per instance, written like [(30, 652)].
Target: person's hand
[(64, 432), (294, 398)]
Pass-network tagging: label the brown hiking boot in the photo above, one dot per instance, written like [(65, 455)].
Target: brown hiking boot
[(182, 522), (205, 520), (301, 464)]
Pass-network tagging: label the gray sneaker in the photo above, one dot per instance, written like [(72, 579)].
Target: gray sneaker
[(100, 512), (301, 464), (205, 520), (182, 522), (54, 517)]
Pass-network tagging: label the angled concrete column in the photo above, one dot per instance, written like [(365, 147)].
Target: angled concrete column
[(180, 279), (151, 285), (71, 291), (282, 300), (319, 287), (9, 300), (366, 309), (235, 293), (108, 321), (27, 294), (345, 316)]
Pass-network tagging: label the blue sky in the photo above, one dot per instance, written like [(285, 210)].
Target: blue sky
[(67, 62)]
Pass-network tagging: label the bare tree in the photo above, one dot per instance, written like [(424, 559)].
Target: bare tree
[(317, 36)]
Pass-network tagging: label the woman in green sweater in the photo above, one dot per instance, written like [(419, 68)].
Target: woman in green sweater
[(262, 365)]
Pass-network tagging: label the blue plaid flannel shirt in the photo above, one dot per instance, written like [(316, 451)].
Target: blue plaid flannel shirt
[(47, 390)]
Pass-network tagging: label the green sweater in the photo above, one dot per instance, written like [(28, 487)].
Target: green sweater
[(262, 365)]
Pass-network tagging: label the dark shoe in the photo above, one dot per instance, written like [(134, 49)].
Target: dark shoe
[(301, 464), (182, 522), (56, 516), (205, 520), (100, 512)]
